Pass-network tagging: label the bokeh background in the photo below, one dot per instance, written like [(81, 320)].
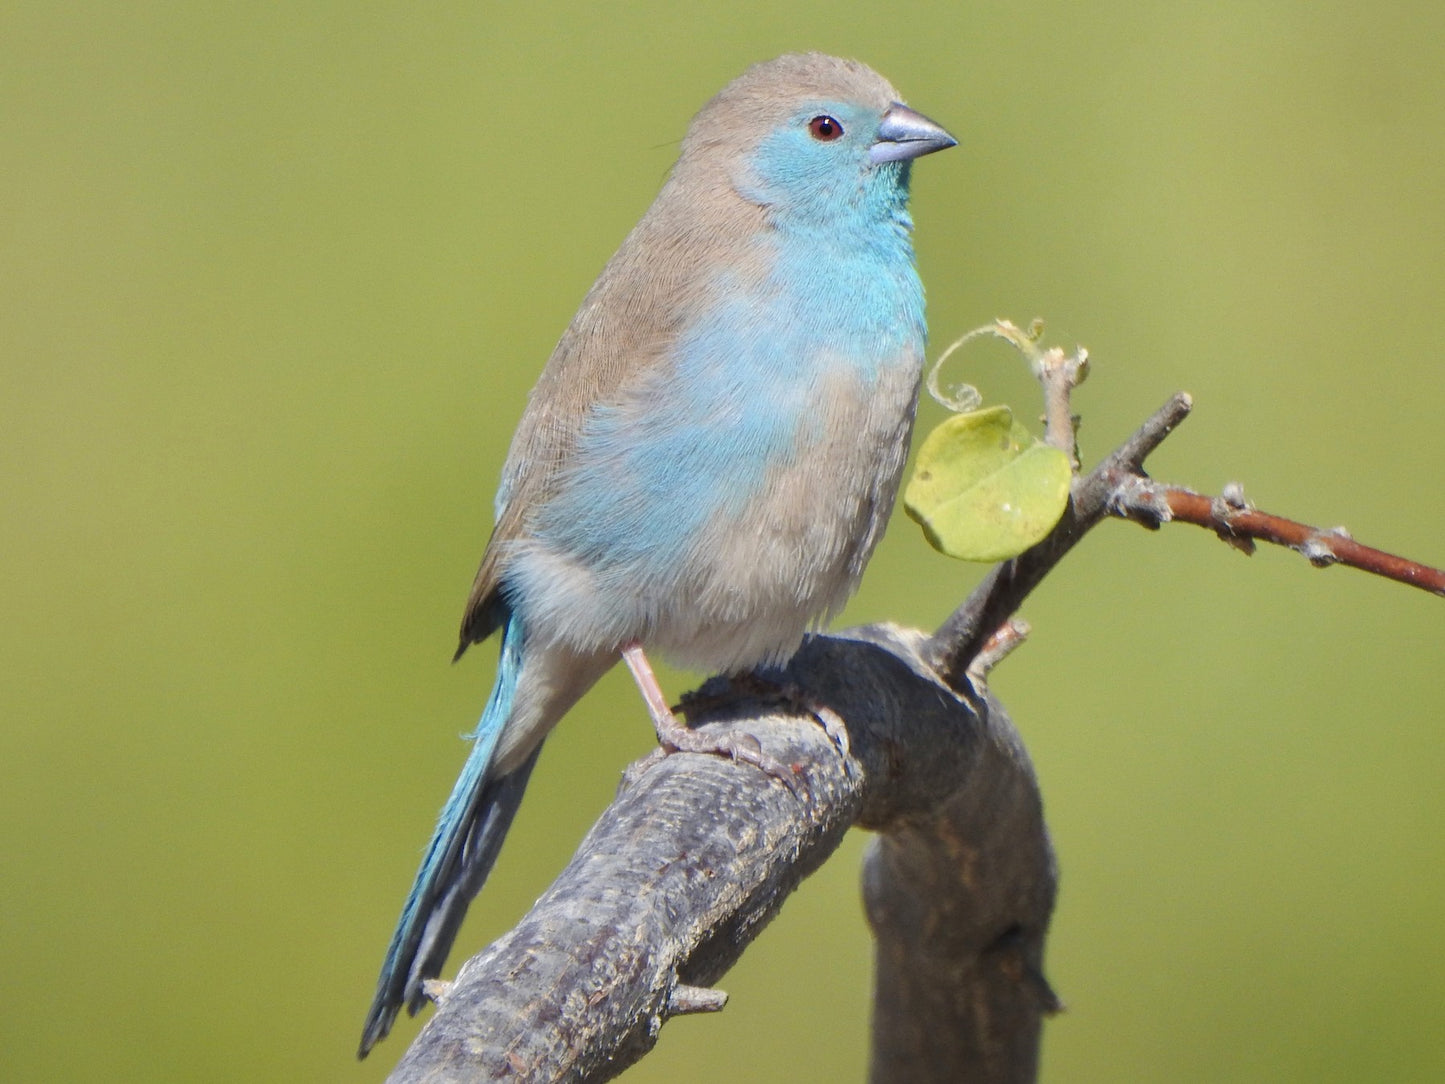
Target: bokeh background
[(275, 281)]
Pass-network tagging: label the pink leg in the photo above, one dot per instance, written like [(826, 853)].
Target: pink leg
[(674, 737), (652, 694)]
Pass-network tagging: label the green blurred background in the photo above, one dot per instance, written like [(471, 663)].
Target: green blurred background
[(275, 282)]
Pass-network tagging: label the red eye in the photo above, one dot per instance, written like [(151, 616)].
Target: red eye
[(825, 129)]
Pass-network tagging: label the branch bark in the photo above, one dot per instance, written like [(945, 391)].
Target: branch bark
[(1241, 524), (697, 854)]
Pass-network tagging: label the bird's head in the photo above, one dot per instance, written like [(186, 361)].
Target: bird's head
[(812, 138)]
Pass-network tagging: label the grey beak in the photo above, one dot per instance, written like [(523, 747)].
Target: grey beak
[(905, 134)]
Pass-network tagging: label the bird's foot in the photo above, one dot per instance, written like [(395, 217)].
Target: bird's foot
[(788, 694), (674, 736)]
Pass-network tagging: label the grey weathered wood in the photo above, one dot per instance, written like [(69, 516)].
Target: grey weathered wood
[(698, 853), (959, 903)]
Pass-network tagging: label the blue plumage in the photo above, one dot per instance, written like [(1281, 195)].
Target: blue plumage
[(464, 844), (710, 455)]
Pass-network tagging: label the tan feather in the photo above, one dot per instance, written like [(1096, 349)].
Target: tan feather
[(700, 222)]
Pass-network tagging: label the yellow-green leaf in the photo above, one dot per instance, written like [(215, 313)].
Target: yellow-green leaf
[(984, 489)]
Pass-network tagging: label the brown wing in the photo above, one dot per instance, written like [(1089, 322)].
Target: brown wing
[(700, 222), (625, 327)]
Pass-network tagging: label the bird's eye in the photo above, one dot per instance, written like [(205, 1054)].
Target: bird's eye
[(825, 129)]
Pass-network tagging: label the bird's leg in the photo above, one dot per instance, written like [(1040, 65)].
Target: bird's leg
[(675, 737)]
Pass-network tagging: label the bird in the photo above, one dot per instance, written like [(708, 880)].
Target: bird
[(708, 458)]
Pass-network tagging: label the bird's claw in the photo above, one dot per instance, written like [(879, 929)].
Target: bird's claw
[(793, 698), (737, 747)]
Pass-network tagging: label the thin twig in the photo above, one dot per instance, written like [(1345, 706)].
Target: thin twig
[(1006, 639), (1241, 524), (1118, 486), (1060, 374), (960, 638)]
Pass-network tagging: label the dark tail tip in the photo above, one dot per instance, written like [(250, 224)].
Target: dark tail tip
[(378, 1024)]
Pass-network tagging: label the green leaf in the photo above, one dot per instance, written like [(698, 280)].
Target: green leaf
[(984, 489)]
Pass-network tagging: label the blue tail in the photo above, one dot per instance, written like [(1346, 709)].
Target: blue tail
[(468, 835)]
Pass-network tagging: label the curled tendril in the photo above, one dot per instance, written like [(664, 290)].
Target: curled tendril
[(959, 398), (962, 398)]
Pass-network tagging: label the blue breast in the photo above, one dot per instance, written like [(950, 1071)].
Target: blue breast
[(740, 396)]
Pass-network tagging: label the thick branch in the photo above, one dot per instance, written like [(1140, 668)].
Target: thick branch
[(659, 900), (959, 916)]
